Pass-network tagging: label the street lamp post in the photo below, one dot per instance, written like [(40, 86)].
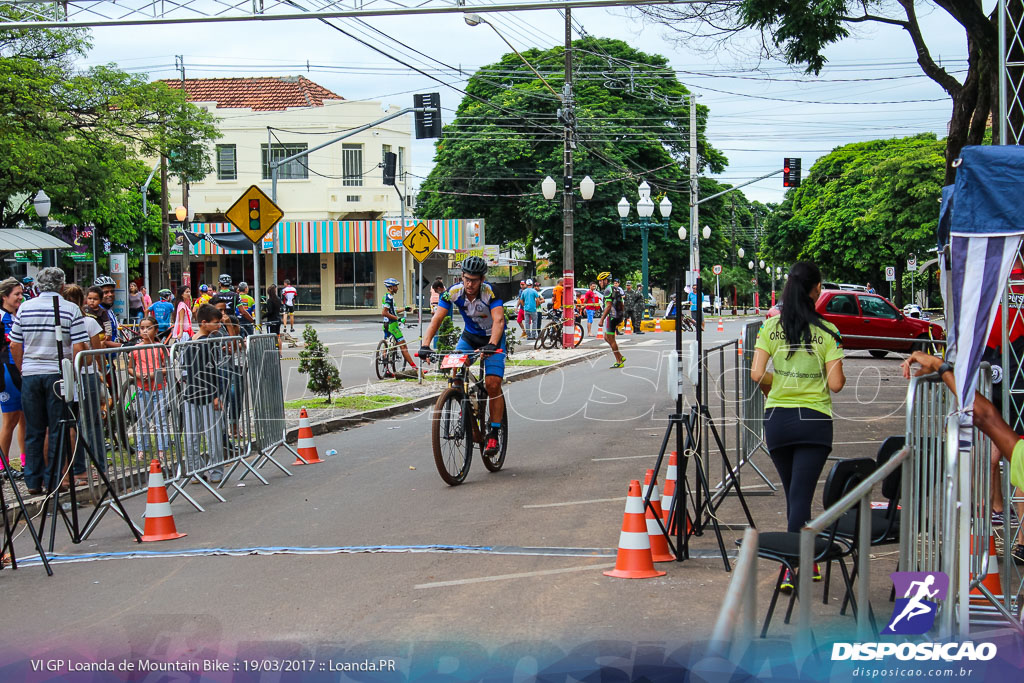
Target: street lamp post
[(184, 215), (753, 281), (41, 203), (645, 211), (735, 292), (548, 188)]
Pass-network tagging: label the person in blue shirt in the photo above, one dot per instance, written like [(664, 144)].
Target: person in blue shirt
[(483, 315), (692, 296), (163, 311), (532, 301)]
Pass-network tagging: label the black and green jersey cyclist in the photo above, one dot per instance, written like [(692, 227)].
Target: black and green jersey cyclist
[(393, 321)]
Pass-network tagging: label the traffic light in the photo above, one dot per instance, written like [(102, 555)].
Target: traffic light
[(390, 162), (791, 172), (254, 214), (427, 123)]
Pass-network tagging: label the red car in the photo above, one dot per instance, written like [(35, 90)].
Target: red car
[(858, 314)]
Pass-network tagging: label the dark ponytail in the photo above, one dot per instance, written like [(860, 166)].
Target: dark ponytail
[(798, 312)]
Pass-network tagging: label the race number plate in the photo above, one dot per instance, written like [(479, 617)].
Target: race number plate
[(454, 360)]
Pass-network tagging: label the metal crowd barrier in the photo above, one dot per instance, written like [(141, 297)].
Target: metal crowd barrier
[(267, 400), (734, 628), (202, 408)]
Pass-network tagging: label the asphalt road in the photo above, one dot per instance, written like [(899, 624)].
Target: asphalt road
[(577, 436)]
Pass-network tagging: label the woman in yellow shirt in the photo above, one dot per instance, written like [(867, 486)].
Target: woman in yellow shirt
[(807, 360)]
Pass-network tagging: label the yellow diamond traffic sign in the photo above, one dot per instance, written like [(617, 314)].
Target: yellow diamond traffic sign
[(420, 242), (254, 214)]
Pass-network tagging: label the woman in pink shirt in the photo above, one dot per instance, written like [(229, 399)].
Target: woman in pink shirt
[(149, 368), (182, 315)]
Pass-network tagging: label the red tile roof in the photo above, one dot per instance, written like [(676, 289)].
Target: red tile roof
[(263, 93)]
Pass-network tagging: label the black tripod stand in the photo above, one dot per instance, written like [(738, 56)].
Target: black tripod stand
[(7, 547), (688, 430), (64, 460)]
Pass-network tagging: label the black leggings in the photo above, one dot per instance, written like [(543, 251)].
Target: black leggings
[(800, 466)]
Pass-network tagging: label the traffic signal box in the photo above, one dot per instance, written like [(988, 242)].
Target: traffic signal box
[(791, 172)]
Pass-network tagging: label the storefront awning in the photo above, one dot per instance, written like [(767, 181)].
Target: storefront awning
[(14, 239)]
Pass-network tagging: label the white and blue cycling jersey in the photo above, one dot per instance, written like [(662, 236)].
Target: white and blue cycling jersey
[(476, 314)]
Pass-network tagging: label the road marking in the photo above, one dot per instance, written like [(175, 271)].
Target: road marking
[(574, 502), (650, 342), (852, 443), (523, 575), (624, 457)]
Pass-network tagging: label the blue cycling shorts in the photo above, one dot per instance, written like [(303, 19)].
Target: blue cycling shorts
[(493, 364), (10, 397)]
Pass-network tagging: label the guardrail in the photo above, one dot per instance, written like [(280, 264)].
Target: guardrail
[(734, 628)]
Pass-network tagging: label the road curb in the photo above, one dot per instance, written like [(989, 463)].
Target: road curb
[(335, 424)]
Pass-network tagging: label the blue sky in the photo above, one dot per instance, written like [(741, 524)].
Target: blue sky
[(761, 111)]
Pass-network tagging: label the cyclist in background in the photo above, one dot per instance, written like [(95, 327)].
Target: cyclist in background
[(107, 284), (203, 298), (28, 290), (614, 313), (393, 321), (163, 311), (290, 296), (246, 309), (483, 314)]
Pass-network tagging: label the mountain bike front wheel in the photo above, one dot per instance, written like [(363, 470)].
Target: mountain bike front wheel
[(451, 434)]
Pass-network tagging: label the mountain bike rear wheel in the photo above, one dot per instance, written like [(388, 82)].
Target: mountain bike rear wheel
[(381, 359), (494, 462)]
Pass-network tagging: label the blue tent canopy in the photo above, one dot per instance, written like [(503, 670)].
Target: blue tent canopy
[(982, 220)]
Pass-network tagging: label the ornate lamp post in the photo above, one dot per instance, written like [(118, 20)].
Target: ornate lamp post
[(41, 203), (645, 211)]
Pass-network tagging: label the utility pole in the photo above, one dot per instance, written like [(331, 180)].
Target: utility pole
[(185, 244), (568, 198), (165, 256)]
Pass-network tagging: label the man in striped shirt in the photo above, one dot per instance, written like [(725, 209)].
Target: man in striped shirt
[(34, 348)]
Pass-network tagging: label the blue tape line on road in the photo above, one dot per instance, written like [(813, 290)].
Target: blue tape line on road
[(328, 550)]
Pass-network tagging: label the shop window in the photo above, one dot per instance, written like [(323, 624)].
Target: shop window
[(354, 281)]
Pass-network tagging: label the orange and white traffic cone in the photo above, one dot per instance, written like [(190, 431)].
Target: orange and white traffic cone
[(657, 324), (670, 489), (629, 328), (991, 581), (307, 447), (634, 560), (721, 324), (659, 545), (159, 520), (739, 348)]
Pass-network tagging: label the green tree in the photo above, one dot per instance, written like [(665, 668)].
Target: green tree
[(79, 135), (317, 363), (800, 32), (863, 206), (632, 124)]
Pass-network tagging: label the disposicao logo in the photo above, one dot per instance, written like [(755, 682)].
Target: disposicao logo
[(914, 613)]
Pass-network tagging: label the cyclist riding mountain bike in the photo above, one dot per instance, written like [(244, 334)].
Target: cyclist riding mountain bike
[(483, 315), (109, 322), (614, 313), (393, 321)]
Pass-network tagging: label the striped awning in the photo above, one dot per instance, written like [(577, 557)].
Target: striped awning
[(325, 237)]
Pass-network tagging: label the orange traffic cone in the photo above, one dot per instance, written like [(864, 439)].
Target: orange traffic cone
[(739, 347), (991, 581), (629, 328), (659, 545), (634, 559), (307, 447), (670, 489), (657, 324), (159, 520), (721, 324)]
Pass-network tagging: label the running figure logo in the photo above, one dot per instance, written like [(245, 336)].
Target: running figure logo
[(914, 612)]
